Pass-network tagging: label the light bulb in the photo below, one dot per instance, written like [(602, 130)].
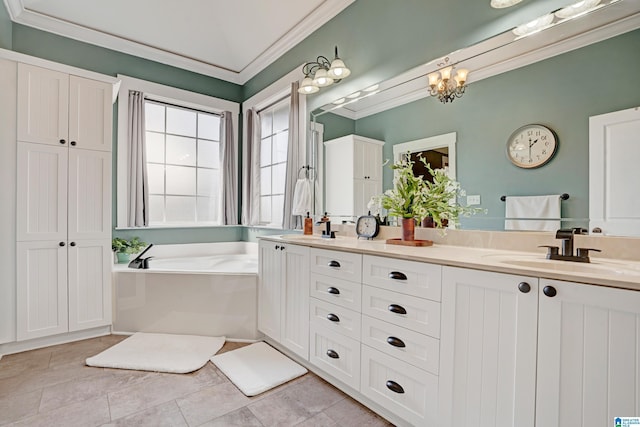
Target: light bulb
[(338, 70), (307, 86)]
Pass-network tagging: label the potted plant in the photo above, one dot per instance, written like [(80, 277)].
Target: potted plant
[(124, 248)]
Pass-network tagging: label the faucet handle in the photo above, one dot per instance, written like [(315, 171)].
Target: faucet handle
[(584, 252), (551, 250)]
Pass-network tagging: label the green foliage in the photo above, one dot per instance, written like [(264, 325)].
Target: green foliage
[(127, 246)]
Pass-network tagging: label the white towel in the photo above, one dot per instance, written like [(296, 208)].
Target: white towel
[(539, 213), (301, 197)]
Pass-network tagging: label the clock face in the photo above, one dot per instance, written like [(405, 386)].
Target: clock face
[(531, 146), (367, 226)]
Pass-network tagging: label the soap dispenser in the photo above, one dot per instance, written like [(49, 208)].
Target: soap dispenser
[(308, 225)]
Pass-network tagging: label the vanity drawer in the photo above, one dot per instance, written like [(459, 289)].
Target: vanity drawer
[(408, 277), (335, 318), (420, 350), (417, 314), (337, 291), (335, 354), (415, 398), (343, 265)]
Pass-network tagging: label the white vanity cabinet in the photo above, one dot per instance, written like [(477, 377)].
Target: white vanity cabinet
[(283, 295), (354, 174)]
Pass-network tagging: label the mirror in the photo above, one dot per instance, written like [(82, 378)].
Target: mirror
[(558, 77)]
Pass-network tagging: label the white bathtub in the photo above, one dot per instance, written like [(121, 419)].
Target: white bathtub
[(200, 289)]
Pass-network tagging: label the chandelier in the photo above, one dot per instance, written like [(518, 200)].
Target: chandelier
[(444, 87), (322, 73)]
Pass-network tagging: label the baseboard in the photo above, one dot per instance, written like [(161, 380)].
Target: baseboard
[(20, 346)]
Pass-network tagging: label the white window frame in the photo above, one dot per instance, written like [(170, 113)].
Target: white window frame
[(171, 95)]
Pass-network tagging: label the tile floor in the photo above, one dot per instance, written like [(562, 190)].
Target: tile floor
[(53, 387)]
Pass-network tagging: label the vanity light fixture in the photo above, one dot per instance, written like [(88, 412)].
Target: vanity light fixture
[(444, 87), (500, 4), (322, 73)]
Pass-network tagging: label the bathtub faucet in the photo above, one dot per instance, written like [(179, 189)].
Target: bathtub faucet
[(139, 262)]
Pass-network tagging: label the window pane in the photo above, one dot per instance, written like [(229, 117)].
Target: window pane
[(281, 118), (181, 180), (266, 123), (280, 147), (278, 178), (277, 204), (155, 147), (265, 152), (156, 209), (155, 175), (208, 154), (181, 150), (154, 117), (209, 126), (208, 182), (207, 209), (181, 122), (181, 209), (265, 181), (265, 209)]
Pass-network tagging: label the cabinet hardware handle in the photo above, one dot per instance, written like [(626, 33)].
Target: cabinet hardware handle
[(73, 143), (397, 275), (72, 244), (524, 287), (334, 291), (333, 317), (395, 387), (282, 248), (549, 291), (396, 342), (277, 247), (334, 263), (62, 141), (398, 309), (332, 354), (61, 244)]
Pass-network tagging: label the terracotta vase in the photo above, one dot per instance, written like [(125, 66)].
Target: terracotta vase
[(408, 228), (428, 222)]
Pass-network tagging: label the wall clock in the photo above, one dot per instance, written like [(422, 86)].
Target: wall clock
[(531, 146)]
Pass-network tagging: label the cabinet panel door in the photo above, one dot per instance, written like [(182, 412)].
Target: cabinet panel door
[(363, 190), (269, 288), (89, 284), (89, 194), (41, 289), (90, 113), (488, 349), (43, 99), (588, 355), (295, 300), (42, 192)]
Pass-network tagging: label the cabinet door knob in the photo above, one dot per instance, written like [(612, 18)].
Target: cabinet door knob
[(398, 309), (395, 387), (73, 143), (524, 287), (396, 342), (397, 275), (333, 317), (334, 291), (549, 291), (62, 141), (282, 248), (332, 354), (61, 244), (72, 244), (334, 263), (277, 247)]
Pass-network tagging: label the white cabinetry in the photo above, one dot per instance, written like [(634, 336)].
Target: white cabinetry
[(353, 174), (64, 203), (283, 295)]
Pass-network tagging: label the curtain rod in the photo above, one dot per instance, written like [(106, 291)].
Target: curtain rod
[(273, 103)]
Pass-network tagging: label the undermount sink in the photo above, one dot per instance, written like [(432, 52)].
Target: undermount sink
[(596, 266), (305, 237)]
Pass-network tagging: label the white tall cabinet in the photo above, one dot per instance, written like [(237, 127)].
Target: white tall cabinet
[(353, 174), (64, 202)]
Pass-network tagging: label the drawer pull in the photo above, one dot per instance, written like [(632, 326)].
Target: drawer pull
[(333, 317), (334, 263), (332, 354), (395, 387), (396, 342), (397, 275), (334, 291), (398, 309)]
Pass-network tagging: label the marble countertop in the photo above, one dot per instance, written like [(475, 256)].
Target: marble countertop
[(601, 271)]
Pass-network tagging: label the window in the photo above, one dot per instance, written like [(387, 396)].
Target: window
[(183, 164), (274, 138)]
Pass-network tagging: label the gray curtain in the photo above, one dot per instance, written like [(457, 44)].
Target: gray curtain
[(251, 170), (290, 221), (229, 174), (138, 215)]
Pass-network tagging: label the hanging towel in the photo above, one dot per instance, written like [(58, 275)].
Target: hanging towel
[(538, 213), (301, 197)]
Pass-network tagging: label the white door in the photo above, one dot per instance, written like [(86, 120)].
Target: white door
[(43, 100), (41, 289), (90, 114), (588, 358), (89, 283), (295, 300), (614, 195), (487, 349), (269, 288), (364, 189), (42, 192), (89, 194)]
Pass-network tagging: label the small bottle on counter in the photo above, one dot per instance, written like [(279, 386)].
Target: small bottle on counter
[(308, 225)]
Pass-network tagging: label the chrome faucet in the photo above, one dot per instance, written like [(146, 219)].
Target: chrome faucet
[(566, 254)]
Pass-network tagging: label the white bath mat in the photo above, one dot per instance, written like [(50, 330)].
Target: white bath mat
[(257, 368), (176, 354)]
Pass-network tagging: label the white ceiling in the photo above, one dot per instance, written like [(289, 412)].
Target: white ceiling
[(229, 39)]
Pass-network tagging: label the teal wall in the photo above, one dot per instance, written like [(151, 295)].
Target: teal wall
[(5, 28), (336, 126), (560, 92)]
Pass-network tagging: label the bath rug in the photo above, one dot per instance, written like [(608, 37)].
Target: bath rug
[(257, 368), (177, 354)]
